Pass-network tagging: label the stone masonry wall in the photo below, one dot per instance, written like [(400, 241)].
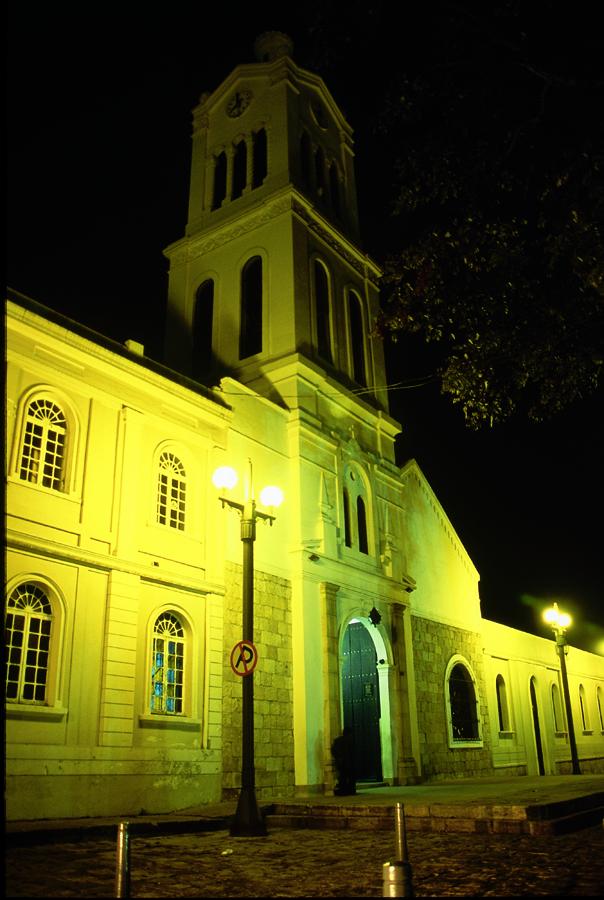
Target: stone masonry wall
[(433, 646), (273, 689)]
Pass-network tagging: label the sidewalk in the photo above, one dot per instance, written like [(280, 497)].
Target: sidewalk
[(460, 799), (203, 860)]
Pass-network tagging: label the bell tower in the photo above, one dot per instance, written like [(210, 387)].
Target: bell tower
[(268, 284)]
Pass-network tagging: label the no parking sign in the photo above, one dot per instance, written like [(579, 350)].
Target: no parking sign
[(244, 657)]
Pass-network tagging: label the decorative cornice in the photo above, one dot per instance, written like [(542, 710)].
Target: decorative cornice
[(195, 246)]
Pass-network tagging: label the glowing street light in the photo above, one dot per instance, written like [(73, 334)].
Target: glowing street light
[(247, 821), (559, 622)]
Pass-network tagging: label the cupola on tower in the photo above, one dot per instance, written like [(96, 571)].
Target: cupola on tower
[(269, 284)]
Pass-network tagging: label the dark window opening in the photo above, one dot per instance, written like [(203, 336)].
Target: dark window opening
[(334, 188), (259, 158), (250, 335), (220, 176), (322, 312), (362, 525), (305, 155), (320, 171), (347, 532), (464, 721), (203, 317), (357, 339), (239, 170)]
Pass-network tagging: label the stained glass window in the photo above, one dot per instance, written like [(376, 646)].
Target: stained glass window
[(167, 665)]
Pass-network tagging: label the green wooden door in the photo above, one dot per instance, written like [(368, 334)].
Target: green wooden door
[(361, 696)]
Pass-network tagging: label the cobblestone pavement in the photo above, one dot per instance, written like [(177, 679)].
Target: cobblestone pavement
[(312, 863)]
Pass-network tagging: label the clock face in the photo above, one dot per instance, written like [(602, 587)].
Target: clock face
[(238, 103)]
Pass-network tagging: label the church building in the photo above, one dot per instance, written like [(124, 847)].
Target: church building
[(124, 563)]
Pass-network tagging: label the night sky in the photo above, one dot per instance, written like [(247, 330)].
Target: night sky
[(98, 132)]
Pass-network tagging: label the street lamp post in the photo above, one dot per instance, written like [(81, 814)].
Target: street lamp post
[(559, 622), (247, 821)]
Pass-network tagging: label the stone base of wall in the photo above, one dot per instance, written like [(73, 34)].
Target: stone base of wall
[(594, 766), (126, 786)]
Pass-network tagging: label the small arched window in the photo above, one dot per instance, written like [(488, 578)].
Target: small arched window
[(28, 633), (42, 455), (503, 710), (305, 159), (347, 528), (357, 338), (557, 709), (203, 319), (167, 665), (320, 171), (171, 492), (356, 511), (250, 335), (584, 708), (220, 180), (322, 311), (462, 705), (334, 188), (239, 170), (600, 705), (259, 157), (362, 526)]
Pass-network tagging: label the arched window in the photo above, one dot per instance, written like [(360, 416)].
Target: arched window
[(600, 705), (259, 158), (305, 159), (334, 188), (322, 311), (250, 335), (220, 180), (28, 630), (557, 709), (320, 171), (362, 526), (347, 529), (584, 709), (356, 509), (503, 710), (239, 170), (357, 338), (167, 665), (42, 455), (463, 706), (203, 318), (171, 492)]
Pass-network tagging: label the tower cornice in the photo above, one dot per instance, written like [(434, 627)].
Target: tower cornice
[(286, 200)]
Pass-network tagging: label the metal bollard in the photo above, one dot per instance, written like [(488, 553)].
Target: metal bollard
[(122, 871), (396, 875)]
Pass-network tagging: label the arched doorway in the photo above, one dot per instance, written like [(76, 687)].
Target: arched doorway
[(537, 727), (361, 700)]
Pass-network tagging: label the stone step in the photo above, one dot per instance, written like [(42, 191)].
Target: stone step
[(549, 818)]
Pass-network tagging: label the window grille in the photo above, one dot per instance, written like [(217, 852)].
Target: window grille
[(171, 492), (167, 666), (28, 632), (42, 458)]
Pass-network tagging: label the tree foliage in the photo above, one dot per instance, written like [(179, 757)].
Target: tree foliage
[(497, 251)]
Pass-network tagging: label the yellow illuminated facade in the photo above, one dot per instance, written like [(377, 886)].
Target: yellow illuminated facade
[(123, 567)]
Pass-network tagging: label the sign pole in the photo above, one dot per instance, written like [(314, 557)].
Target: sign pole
[(248, 821)]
